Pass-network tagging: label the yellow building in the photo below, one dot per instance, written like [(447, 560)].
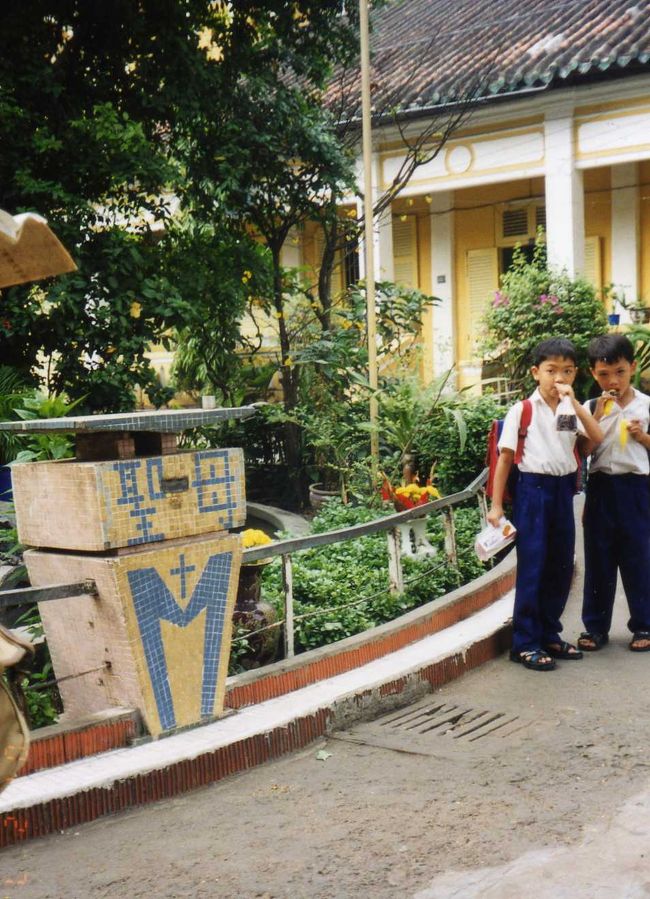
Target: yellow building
[(558, 136)]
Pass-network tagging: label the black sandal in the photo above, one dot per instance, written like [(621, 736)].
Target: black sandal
[(589, 641), (563, 650), (640, 635), (535, 659)]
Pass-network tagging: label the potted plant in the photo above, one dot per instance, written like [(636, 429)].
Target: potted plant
[(251, 613)]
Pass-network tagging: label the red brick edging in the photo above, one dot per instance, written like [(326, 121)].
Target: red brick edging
[(85, 806)]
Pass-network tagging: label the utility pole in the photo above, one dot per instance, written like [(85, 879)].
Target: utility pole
[(369, 246)]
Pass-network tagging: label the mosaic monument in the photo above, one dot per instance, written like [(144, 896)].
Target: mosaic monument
[(150, 526)]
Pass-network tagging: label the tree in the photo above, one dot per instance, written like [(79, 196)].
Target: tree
[(89, 96)]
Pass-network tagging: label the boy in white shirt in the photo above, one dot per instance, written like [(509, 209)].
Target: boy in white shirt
[(543, 506), (617, 507)]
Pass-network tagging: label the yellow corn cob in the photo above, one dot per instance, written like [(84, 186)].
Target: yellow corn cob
[(622, 435)]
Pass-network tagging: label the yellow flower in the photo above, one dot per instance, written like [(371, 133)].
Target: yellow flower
[(246, 276), (135, 310), (254, 537)]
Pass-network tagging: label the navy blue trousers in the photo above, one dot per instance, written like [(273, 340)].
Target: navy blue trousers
[(617, 537), (543, 516)]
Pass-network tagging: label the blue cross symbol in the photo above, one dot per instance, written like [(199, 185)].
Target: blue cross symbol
[(182, 570)]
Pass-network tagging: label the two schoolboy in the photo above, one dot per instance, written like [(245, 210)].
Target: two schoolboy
[(617, 505), (543, 506)]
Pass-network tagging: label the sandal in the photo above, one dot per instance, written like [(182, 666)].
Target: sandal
[(592, 642), (563, 650), (638, 637), (535, 659)]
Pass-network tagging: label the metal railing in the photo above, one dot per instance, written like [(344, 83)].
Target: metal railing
[(390, 525), (285, 548)]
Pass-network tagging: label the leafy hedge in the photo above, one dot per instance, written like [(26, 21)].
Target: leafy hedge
[(337, 577)]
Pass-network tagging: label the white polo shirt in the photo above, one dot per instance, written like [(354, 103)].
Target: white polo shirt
[(610, 456), (546, 450)]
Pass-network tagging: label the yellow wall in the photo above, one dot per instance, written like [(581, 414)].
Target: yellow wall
[(476, 222)]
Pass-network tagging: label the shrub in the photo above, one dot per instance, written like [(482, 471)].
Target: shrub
[(534, 303), (458, 454), (334, 580)]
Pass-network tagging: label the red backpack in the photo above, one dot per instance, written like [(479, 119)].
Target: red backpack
[(492, 454)]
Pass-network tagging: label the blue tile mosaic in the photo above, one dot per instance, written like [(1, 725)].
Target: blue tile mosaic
[(154, 602)]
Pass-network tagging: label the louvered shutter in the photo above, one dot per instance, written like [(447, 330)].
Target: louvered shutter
[(405, 251), (593, 268), (514, 222), (482, 281)]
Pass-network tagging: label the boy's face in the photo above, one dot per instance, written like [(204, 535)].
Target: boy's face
[(552, 371), (614, 376)]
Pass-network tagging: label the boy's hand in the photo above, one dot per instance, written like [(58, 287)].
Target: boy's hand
[(565, 390), (604, 405), (495, 515), (635, 430)]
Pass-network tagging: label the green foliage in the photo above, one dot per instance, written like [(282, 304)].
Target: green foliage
[(331, 582), (12, 391), (40, 447), (114, 109), (535, 303), (640, 337), (458, 456), (334, 393), (41, 696)]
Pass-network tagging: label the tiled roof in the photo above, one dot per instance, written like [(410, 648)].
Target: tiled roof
[(431, 52)]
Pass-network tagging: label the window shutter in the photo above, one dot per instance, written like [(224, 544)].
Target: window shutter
[(405, 251), (593, 269), (482, 281), (514, 222)]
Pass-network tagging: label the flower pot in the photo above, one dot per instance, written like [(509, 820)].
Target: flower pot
[(318, 496), (639, 314), (252, 613)]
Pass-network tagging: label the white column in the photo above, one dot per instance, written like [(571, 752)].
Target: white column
[(382, 230), (442, 281), (625, 231), (384, 261), (565, 204)]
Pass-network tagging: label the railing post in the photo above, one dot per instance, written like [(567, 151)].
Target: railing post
[(450, 535), (482, 506), (395, 578), (287, 581)]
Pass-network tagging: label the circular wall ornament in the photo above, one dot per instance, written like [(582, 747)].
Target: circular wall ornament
[(458, 159)]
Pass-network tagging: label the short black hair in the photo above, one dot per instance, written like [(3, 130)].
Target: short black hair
[(554, 346), (610, 348)]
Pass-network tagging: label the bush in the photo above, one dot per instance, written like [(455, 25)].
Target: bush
[(337, 578), (458, 454), (535, 303)]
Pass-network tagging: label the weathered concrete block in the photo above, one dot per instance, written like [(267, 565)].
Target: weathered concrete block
[(157, 637), (95, 506)]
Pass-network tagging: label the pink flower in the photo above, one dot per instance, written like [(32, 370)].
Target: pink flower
[(543, 299), (500, 299), (558, 310)]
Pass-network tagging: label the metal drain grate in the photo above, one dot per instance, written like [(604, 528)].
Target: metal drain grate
[(434, 727), (453, 721)]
